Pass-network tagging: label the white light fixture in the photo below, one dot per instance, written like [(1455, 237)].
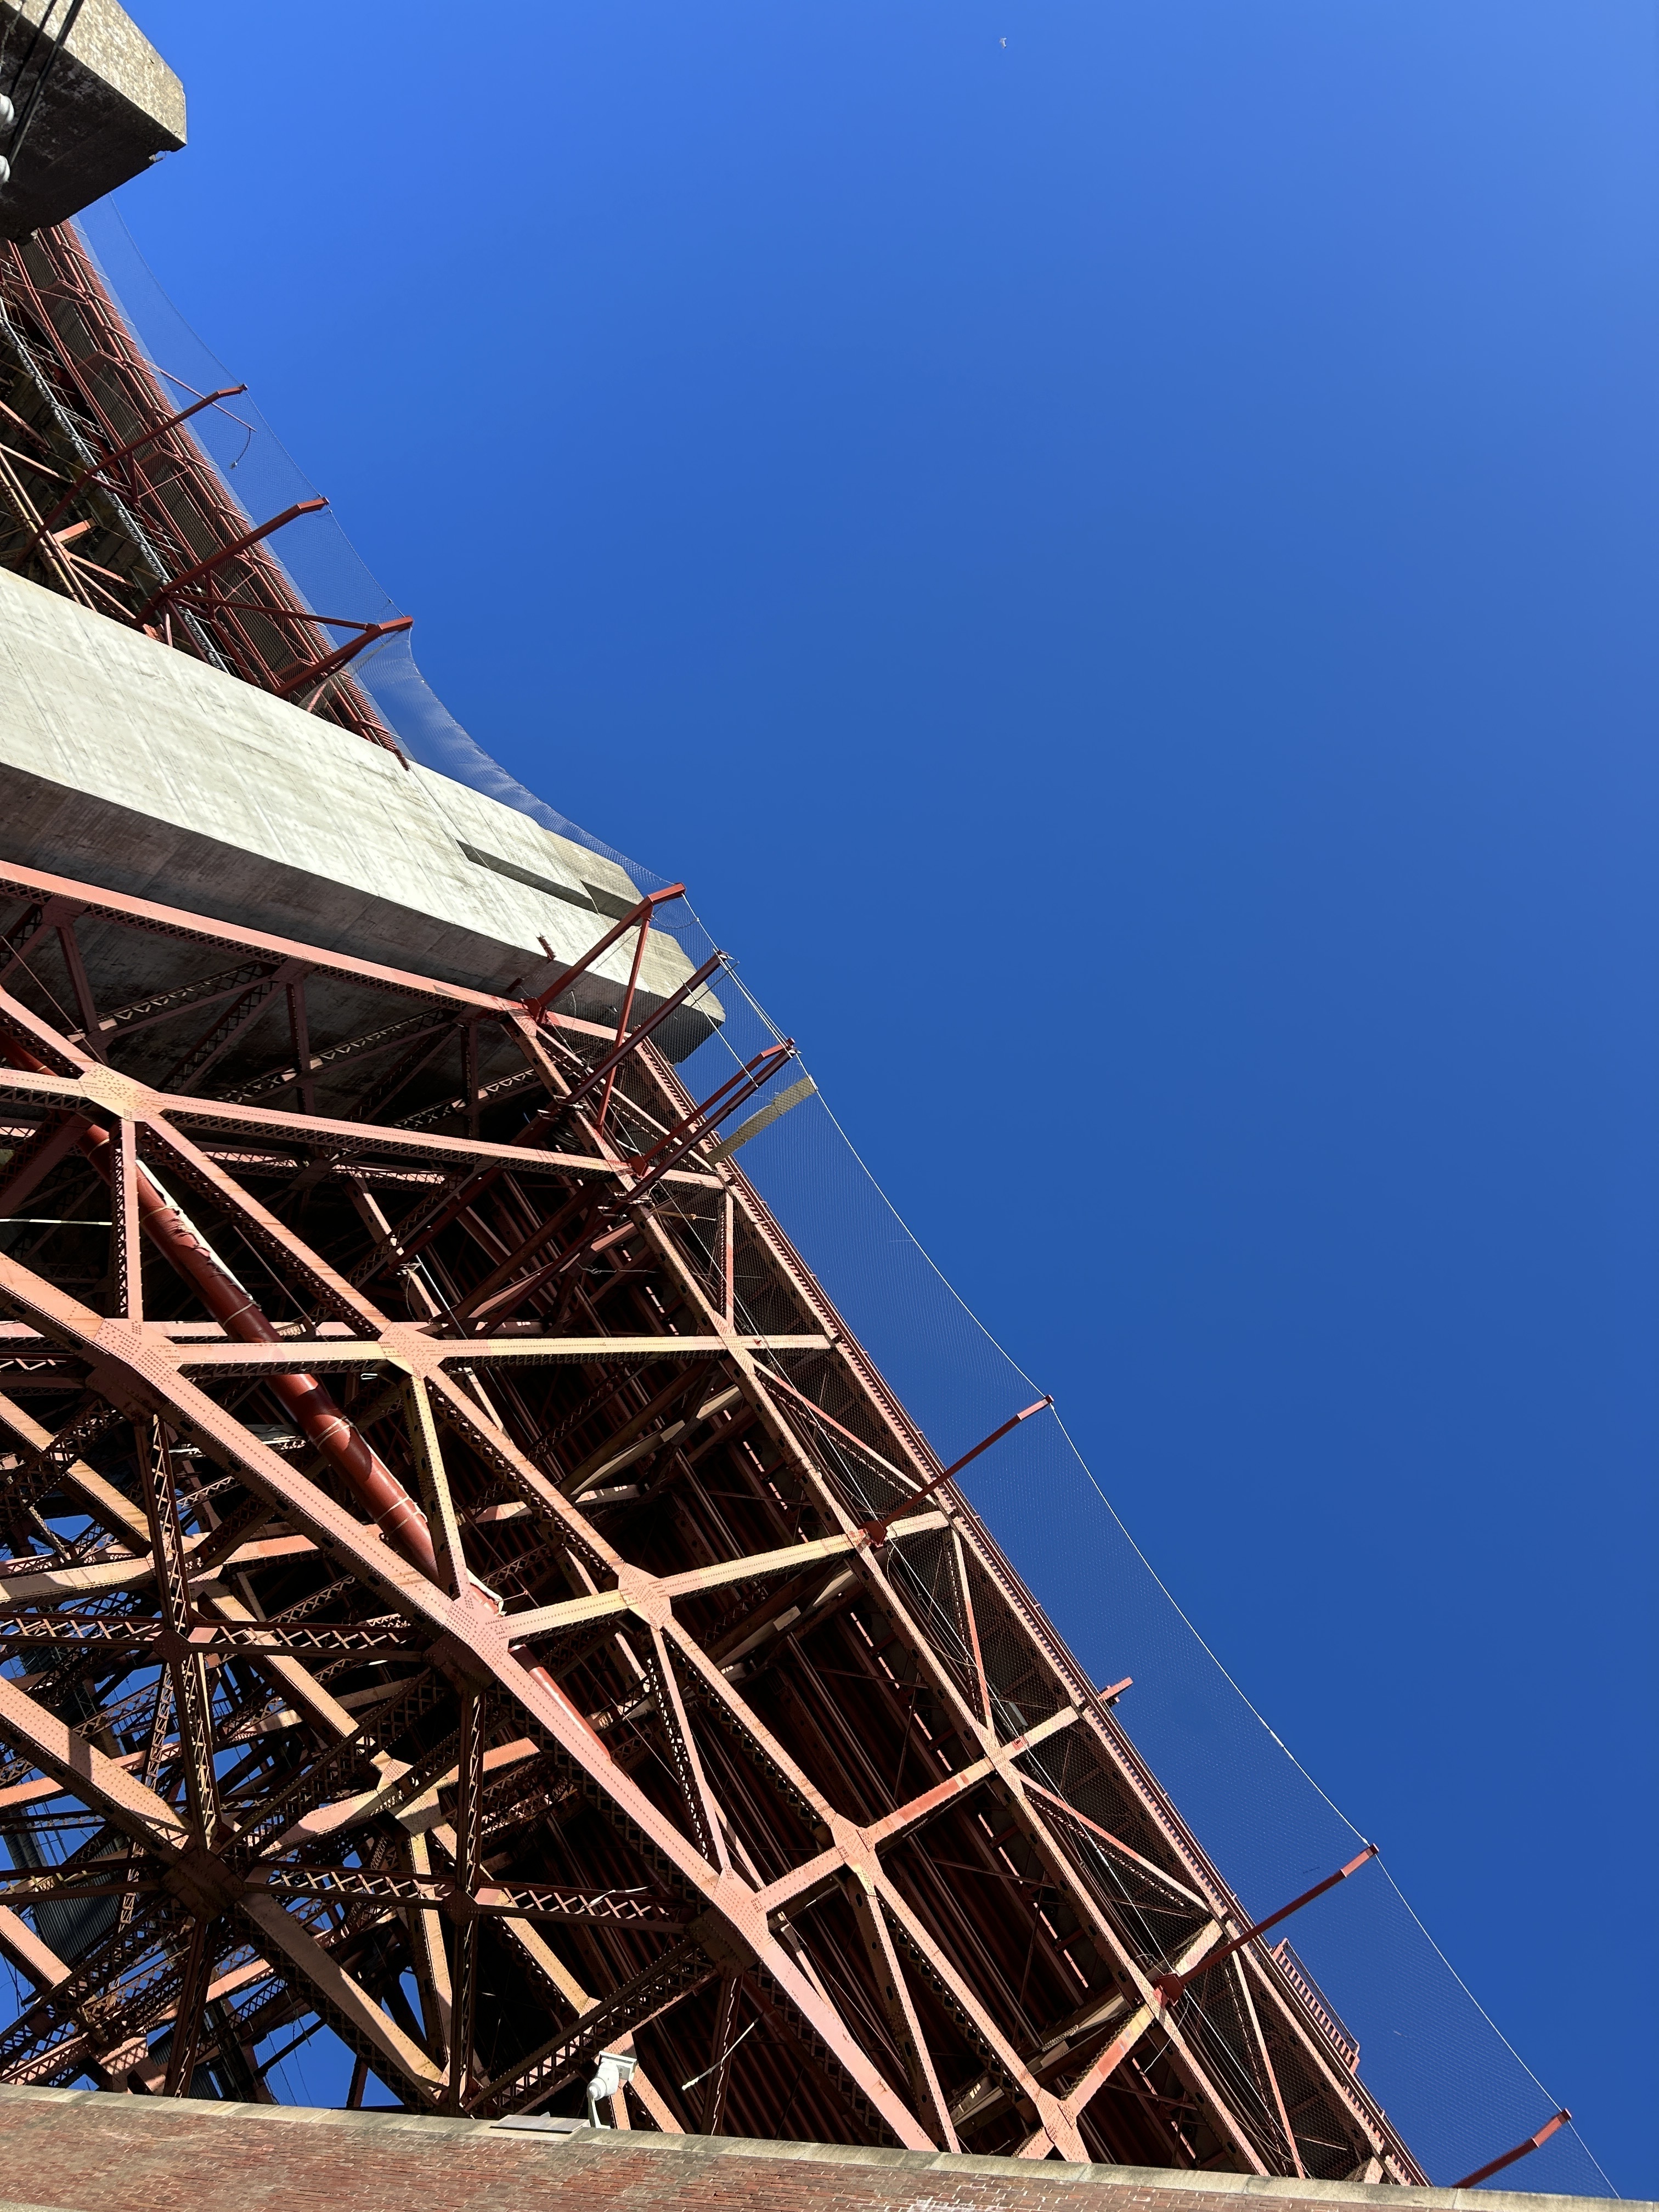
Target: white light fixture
[(611, 2071)]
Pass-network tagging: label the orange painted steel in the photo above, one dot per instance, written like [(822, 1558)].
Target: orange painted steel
[(105, 440), (648, 1742), (304, 1398), (1556, 2120), (553, 1635)]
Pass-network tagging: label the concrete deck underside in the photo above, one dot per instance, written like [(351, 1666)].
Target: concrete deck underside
[(108, 105), (145, 771)]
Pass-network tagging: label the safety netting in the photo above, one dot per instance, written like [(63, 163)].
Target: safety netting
[(1455, 2084)]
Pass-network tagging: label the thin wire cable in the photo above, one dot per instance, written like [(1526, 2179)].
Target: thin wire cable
[(726, 2053), (45, 989), (60, 39), (511, 792), (1181, 1615), (1493, 2024), (1185, 1618), (1000, 1347)]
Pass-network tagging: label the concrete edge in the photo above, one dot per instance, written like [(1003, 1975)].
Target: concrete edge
[(109, 46), (157, 2111), (1135, 2176)]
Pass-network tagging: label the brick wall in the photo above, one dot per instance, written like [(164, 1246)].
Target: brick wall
[(80, 2151)]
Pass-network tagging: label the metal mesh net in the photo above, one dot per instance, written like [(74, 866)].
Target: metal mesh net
[(1393, 2005)]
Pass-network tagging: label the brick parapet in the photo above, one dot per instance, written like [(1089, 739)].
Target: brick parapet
[(68, 2150)]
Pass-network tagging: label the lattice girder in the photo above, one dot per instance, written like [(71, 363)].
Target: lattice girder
[(440, 1583)]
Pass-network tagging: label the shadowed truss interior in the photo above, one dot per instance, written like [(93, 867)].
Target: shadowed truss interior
[(466, 1589)]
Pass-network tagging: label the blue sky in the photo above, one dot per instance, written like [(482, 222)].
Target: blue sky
[(1120, 566)]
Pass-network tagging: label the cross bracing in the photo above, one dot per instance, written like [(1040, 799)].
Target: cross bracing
[(466, 1587)]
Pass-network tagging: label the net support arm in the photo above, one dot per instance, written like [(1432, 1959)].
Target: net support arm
[(330, 664), (876, 1530), (613, 1060), (1522, 2150), (1170, 1986), (124, 452), (640, 917), (242, 544)]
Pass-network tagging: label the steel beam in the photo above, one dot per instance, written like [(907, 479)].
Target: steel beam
[(619, 1671)]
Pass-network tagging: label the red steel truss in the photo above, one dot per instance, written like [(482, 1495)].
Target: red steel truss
[(106, 497), (468, 1588)]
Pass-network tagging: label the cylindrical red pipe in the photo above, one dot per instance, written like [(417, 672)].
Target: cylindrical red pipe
[(308, 1402)]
